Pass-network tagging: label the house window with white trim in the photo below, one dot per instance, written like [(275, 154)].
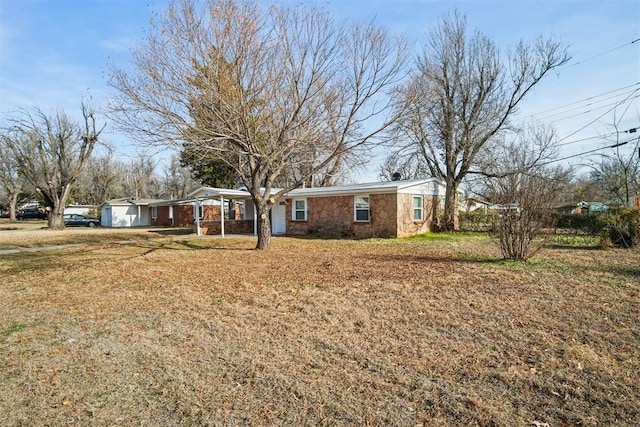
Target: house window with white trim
[(418, 208), (361, 208), (299, 210), (154, 212)]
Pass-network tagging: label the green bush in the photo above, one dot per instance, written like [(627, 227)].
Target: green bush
[(586, 223), (621, 228), (477, 221)]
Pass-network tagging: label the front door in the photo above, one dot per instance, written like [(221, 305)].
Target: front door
[(279, 218)]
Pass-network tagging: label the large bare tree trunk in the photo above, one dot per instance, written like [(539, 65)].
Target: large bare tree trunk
[(461, 98), (450, 220), (277, 95), (13, 203), (52, 152), (264, 225)]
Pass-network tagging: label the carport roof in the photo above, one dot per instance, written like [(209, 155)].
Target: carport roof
[(207, 192)]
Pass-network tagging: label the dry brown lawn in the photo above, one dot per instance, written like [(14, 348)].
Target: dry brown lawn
[(206, 331)]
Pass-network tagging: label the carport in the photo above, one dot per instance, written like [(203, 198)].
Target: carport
[(223, 195)]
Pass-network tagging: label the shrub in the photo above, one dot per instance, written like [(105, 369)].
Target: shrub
[(586, 223), (621, 228), (477, 221)]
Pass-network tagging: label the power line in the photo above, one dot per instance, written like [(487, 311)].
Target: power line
[(591, 110), (603, 53), (588, 99), (600, 116), (619, 144), (586, 139)]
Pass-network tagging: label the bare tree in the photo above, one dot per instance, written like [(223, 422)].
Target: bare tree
[(263, 88), (461, 98), (526, 198), (178, 182), (140, 179), (52, 152), (100, 179), (11, 182), (617, 174), (406, 165)]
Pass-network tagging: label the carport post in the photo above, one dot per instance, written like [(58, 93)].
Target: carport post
[(255, 220), (221, 216), (196, 215)]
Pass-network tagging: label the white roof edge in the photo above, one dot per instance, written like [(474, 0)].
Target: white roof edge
[(214, 192), (372, 187), (369, 187)]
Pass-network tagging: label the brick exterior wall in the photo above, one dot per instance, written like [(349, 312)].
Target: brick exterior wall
[(334, 216), (163, 219), (183, 215), (390, 215), (407, 226), (242, 226)]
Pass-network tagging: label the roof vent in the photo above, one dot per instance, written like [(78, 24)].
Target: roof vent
[(396, 176)]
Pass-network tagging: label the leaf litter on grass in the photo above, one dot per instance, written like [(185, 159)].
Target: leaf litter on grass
[(318, 332)]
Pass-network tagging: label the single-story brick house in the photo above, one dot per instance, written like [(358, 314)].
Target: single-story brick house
[(379, 209), (382, 209), (129, 212)]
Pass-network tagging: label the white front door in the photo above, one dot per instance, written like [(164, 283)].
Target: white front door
[(279, 218)]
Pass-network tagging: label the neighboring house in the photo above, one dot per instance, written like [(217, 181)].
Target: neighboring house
[(79, 209), (505, 207), (126, 212), (382, 209), (582, 208), (471, 204)]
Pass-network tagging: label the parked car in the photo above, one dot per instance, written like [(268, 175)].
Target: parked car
[(76, 220), (31, 214)]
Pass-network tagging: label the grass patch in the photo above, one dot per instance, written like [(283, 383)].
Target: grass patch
[(577, 241), (443, 236), (13, 328), (319, 332)]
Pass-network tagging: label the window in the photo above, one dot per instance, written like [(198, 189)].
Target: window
[(154, 212), (417, 208), (361, 207), (229, 209), (300, 210)]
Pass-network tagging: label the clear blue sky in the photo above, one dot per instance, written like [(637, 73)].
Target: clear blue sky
[(54, 52)]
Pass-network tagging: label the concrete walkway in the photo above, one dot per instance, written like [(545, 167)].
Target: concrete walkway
[(121, 242), (36, 249)]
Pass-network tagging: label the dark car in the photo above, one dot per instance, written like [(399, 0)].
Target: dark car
[(31, 214), (76, 220)]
